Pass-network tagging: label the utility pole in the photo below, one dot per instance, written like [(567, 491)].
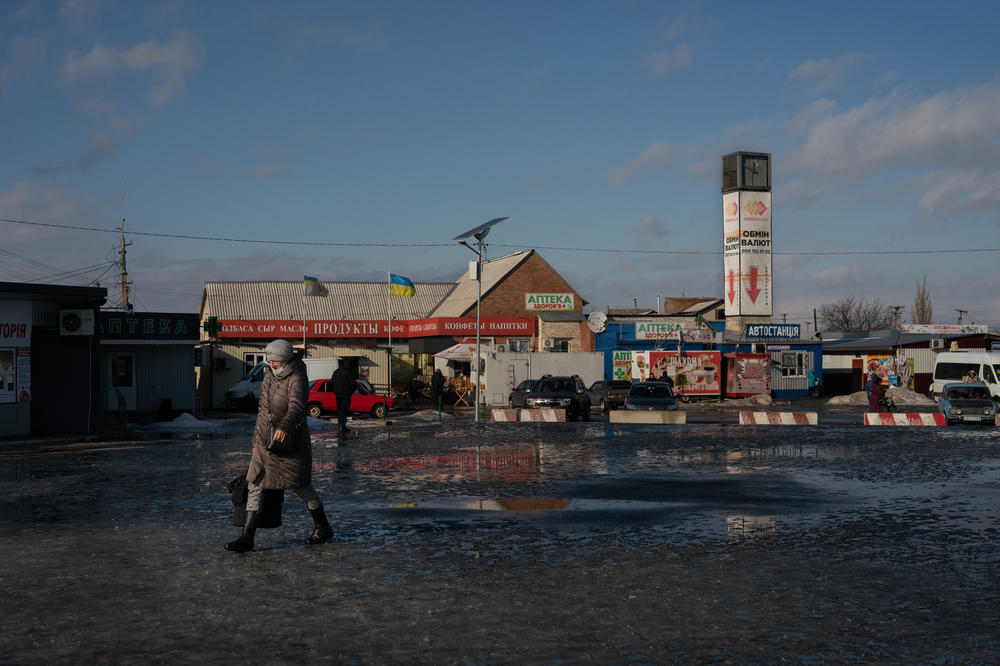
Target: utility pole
[(121, 253), (895, 315), (960, 313), (784, 317)]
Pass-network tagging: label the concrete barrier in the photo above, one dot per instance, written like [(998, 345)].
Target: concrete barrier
[(505, 415), (904, 419), (777, 418), (547, 415), (629, 416)]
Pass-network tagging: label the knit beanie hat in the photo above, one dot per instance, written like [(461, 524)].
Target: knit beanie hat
[(279, 350)]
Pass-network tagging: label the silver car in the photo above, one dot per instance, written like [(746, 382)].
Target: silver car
[(966, 403)]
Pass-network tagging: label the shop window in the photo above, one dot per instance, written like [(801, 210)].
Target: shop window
[(519, 344), (793, 364), (7, 391), (250, 361)]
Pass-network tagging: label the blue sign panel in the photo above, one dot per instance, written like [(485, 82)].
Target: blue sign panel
[(995, 345), (774, 330)]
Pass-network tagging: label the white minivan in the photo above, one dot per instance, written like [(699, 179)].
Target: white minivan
[(245, 393), (954, 366)]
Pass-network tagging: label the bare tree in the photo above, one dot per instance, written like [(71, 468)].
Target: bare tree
[(923, 313), (854, 314)]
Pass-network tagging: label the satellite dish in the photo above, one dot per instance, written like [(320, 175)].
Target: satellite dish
[(597, 321)]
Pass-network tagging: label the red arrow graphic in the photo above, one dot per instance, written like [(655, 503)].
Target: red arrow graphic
[(753, 292), (732, 289)]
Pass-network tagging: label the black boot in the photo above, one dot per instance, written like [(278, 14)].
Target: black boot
[(323, 531), (245, 541)]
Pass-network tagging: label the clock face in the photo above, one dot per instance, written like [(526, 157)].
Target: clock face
[(755, 172)]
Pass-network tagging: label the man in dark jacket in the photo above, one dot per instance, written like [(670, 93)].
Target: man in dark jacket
[(342, 383)]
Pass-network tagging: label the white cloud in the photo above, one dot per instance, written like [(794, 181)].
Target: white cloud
[(664, 62), (650, 225), (76, 12), (960, 191), (24, 53), (957, 128), (654, 155), (169, 64), (826, 73)]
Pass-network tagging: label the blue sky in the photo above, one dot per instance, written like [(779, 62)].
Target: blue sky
[(359, 138)]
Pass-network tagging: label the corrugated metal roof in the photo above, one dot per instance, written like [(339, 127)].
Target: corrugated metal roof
[(347, 300), (689, 304), (466, 292)]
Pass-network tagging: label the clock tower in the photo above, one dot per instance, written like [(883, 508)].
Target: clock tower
[(746, 228)]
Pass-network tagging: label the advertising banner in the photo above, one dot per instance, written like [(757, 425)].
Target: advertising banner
[(339, 328), (659, 330), (945, 329), (747, 374), (621, 365), (755, 253), (15, 323), (695, 373), (731, 252), (548, 302)]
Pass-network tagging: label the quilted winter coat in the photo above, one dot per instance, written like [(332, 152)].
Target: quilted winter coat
[(283, 403)]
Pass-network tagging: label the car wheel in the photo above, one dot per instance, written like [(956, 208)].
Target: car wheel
[(378, 411), (315, 410), (586, 414)]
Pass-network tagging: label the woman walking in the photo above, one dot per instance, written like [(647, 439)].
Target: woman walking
[(282, 452)]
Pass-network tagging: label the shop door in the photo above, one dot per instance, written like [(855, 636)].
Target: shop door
[(121, 382)]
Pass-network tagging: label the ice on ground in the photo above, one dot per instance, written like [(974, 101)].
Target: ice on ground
[(428, 415)]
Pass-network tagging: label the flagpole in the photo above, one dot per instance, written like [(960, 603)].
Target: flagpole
[(388, 307)]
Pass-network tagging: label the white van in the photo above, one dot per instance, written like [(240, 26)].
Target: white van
[(245, 393), (954, 366)]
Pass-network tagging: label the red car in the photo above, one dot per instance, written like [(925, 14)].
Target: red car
[(323, 400)]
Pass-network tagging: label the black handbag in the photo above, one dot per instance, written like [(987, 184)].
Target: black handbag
[(271, 502), (284, 448)]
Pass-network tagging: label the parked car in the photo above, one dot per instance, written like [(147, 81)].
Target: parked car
[(561, 392), (966, 403), (651, 396), (322, 399), (520, 392), (609, 394)]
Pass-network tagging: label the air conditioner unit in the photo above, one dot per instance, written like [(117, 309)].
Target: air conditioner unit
[(76, 322), (548, 342), (501, 348), (937, 343)]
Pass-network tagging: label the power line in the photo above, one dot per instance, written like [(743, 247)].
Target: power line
[(225, 239)]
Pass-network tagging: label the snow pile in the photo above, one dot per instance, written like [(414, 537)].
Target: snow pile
[(859, 398), (428, 415), (902, 396), (185, 422), (759, 399)]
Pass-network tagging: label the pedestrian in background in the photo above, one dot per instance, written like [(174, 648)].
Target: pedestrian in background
[(878, 391), (342, 383), (437, 387), (281, 426)]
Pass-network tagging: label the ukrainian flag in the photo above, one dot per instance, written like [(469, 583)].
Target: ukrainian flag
[(401, 285), (313, 287)]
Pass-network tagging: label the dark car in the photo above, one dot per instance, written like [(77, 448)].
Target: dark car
[(520, 392), (651, 396), (609, 394), (561, 392), (967, 403)]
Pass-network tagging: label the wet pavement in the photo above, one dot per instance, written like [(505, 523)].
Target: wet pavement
[(516, 543)]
